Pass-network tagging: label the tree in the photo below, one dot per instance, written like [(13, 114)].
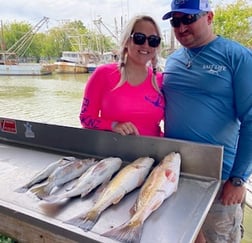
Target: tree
[(13, 31), (234, 21)]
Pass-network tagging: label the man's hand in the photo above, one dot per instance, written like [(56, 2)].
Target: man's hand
[(232, 194)]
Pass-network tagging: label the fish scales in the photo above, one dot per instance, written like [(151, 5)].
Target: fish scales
[(160, 184), (97, 174), (62, 175), (45, 173), (126, 180)]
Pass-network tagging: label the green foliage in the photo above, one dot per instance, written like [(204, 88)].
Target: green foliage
[(234, 21), (70, 36), (13, 32), (5, 239)]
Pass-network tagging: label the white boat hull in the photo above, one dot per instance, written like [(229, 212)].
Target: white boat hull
[(31, 69)]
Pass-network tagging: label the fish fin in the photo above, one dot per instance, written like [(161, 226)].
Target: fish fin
[(83, 194), (133, 209), (128, 233), (85, 221), (88, 189), (118, 199), (71, 185), (41, 191), (98, 192)]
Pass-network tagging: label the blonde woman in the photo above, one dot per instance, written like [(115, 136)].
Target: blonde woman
[(125, 97)]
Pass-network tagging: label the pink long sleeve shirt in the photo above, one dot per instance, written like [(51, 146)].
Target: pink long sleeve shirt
[(103, 104)]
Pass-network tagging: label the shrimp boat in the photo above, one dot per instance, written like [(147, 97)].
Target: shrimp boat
[(76, 62), (9, 59), (9, 66)]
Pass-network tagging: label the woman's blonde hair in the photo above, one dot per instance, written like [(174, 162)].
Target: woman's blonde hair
[(129, 29)]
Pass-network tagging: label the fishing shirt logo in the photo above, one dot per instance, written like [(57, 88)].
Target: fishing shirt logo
[(157, 101), (214, 68)]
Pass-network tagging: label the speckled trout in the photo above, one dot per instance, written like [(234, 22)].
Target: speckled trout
[(93, 177), (127, 179), (62, 175), (45, 173), (160, 184)]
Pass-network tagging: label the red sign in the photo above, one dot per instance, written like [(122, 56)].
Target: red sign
[(8, 126)]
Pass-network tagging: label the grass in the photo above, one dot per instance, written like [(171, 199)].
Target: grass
[(247, 225), (5, 239)]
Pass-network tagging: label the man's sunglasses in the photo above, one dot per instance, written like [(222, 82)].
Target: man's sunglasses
[(140, 38), (186, 19)]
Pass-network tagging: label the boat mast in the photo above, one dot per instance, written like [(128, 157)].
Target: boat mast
[(21, 46), (2, 38)]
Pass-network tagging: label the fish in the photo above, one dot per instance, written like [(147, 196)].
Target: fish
[(93, 177), (62, 175), (159, 185), (126, 180), (45, 173)]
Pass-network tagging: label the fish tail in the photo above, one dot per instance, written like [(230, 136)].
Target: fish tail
[(128, 233), (41, 191), (85, 221)]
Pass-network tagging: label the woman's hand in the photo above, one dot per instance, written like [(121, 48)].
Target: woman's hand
[(125, 128)]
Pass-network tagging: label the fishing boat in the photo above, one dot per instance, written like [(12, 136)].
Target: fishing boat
[(10, 59), (10, 66), (76, 62)]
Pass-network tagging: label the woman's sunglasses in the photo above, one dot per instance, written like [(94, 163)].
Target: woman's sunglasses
[(186, 19), (140, 38)]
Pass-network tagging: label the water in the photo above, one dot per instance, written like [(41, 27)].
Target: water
[(52, 99)]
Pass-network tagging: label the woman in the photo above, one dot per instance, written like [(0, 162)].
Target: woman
[(125, 97)]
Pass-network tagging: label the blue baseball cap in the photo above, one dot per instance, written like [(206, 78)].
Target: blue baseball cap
[(188, 7)]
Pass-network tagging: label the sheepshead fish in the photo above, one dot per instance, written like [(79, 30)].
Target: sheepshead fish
[(126, 180), (62, 175), (93, 177), (160, 184), (45, 173)]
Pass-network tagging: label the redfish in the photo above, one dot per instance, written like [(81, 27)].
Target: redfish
[(62, 175), (45, 173), (160, 184), (93, 177), (126, 180)]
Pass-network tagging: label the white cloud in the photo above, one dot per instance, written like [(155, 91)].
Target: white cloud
[(85, 10)]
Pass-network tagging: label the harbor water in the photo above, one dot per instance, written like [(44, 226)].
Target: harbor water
[(53, 99), (56, 99)]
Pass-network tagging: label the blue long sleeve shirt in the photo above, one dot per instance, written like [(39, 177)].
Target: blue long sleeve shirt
[(211, 102)]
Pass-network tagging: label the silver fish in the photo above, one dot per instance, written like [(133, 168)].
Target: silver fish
[(126, 180), (93, 177), (45, 173), (160, 184), (63, 175)]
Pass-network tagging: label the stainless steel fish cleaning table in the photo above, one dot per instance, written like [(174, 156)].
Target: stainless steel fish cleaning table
[(27, 147)]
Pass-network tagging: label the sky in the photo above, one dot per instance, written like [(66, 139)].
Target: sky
[(112, 13)]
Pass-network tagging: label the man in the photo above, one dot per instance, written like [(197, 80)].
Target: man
[(208, 92)]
